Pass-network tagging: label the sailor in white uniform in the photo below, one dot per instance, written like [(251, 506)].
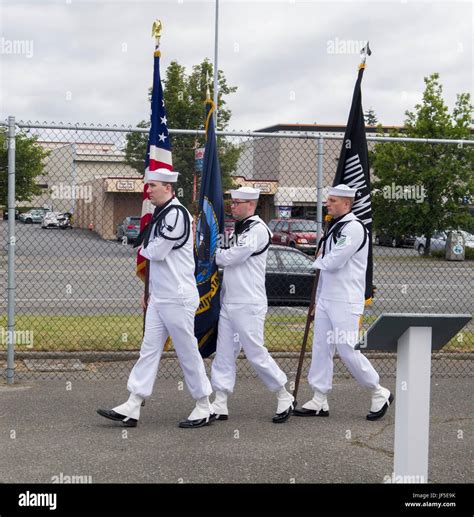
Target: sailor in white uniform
[(243, 308), (174, 298), (340, 299)]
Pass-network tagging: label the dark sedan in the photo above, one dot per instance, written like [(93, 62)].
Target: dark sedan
[(289, 278), (395, 241), (5, 214)]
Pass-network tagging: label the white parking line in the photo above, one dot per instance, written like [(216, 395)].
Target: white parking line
[(411, 299), (75, 272), (410, 284), (76, 299)]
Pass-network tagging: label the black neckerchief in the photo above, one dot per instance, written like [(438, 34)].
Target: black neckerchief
[(144, 235), (330, 230), (242, 225)]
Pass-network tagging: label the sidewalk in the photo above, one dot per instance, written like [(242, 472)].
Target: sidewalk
[(48, 430)]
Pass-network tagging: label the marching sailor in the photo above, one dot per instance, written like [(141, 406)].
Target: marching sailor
[(243, 308), (342, 260), (168, 245)]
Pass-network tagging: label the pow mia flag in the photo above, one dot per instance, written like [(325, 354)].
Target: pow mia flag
[(353, 170)]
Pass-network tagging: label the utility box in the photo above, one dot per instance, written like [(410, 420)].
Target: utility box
[(455, 246)]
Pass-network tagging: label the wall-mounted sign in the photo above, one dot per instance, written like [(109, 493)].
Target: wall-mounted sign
[(199, 159), (125, 185), (265, 188)]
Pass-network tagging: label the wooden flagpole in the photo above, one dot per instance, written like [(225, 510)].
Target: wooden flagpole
[(309, 319)]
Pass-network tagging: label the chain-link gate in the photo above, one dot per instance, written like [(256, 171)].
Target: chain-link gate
[(77, 298)]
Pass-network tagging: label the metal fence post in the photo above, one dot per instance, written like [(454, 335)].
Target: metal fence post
[(10, 372), (319, 183)]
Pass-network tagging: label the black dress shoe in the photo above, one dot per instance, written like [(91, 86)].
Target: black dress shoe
[(191, 424), (279, 418), (112, 415), (375, 415), (310, 412), (216, 416)]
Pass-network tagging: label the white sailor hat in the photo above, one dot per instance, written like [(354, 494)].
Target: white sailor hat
[(161, 175), (245, 193), (342, 191)]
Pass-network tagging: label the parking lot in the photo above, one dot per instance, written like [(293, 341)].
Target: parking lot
[(76, 292), (74, 272)]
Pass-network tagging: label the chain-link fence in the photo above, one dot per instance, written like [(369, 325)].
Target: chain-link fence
[(77, 298)]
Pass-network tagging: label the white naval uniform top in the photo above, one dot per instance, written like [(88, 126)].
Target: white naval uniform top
[(343, 268), (244, 275), (171, 270)]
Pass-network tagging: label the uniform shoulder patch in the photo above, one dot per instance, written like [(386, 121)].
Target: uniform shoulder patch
[(343, 241)]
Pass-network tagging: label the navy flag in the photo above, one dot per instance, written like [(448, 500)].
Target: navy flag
[(353, 170), (209, 229)]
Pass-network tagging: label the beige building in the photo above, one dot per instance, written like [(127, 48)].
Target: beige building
[(291, 164), (92, 180), (69, 165), (113, 199)]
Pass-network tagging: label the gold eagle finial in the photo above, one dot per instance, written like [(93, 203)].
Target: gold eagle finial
[(156, 30)]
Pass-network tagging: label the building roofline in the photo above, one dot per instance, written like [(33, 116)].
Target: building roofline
[(327, 128), (321, 128)]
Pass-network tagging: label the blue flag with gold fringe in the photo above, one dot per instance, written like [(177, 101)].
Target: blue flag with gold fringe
[(209, 229)]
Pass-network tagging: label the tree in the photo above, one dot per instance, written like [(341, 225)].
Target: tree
[(184, 97), (422, 188), (29, 164), (370, 117)]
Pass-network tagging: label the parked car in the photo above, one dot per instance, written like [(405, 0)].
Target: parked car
[(295, 233), (5, 214), (468, 238), (289, 278), (439, 239), (229, 226), (33, 216), (396, 241), (129, 228), (57, 220)]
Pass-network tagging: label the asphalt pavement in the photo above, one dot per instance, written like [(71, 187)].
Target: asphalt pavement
[(50, 429)]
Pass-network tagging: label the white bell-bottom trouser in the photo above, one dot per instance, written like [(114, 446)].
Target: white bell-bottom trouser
[(174, 318), (242, 326), (336, 326)]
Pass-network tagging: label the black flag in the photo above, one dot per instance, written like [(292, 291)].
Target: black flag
[(353, 170)]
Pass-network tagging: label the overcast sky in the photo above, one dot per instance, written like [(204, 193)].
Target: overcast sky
[(91, 61)]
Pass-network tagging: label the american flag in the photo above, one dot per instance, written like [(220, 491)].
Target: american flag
[(158, 152)]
